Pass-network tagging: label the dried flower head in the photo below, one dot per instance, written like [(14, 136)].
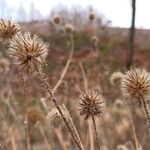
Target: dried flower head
[(135, 85), (35, 115), (92, 16), (95, 40), (28, 52), (54, 118), (56, 19), (92, 103), (69, 28), (8, 29), (4, 65), (115, 77)]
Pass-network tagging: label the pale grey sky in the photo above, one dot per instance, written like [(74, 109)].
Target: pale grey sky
[(118, 11)]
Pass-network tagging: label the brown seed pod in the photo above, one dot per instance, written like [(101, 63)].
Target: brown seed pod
[(34, 115), (69, 28), (8, 29), (92, 16), (28, 52), (135, 85), (92, 103), (56, 19)]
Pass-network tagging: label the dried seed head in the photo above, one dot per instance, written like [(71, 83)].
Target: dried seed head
[(92, 103), (4, 65), (35, 115), (54, 118), (28, 52), (115, 77), (69, 28), (95, 40), (118, 103), (92, 16), (8, 29), (135, 85), (56, 19)]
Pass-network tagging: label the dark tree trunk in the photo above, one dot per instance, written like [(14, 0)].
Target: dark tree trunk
[(131, 37)]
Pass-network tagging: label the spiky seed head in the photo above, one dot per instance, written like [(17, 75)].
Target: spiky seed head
[(69, 28), (115, 77), (92, 16), (35, 115), (56, 19), (28, 52), (8, 29), (135, 85), (92, 103)]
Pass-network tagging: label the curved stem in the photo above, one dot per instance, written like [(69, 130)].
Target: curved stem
[(66, 66)]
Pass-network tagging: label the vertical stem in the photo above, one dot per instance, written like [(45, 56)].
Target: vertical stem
[(60, 111), (96, 133), (44, 137), (147, 114), (27, 140), (137, 145)]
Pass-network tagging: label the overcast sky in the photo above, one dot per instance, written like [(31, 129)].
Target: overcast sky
[(118, 11)]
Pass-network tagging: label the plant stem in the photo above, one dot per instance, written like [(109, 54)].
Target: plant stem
[(147, 114), (27, 140), (42, 75), (96, 133)]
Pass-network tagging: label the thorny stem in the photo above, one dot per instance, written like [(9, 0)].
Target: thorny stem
[(27, 140), (96, 133), (60, 111), (147, 114)]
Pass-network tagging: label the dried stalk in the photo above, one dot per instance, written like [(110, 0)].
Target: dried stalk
[(60, 139), (47, 87), (96, 133), (147, 114), (91, 137), (66, 66), (70, 122), (27, 139), (12, 138), (136, 142), (44, 137)]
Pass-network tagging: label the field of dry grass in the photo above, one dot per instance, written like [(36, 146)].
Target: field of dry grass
[(121, 127)]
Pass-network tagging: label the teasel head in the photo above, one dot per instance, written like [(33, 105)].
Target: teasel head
[(92, 16), (56, 19), (8, 29), (69, 28), (92, 103), (135, 85), (54, 118), (35, 115), (115, 77), (28, 52)]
